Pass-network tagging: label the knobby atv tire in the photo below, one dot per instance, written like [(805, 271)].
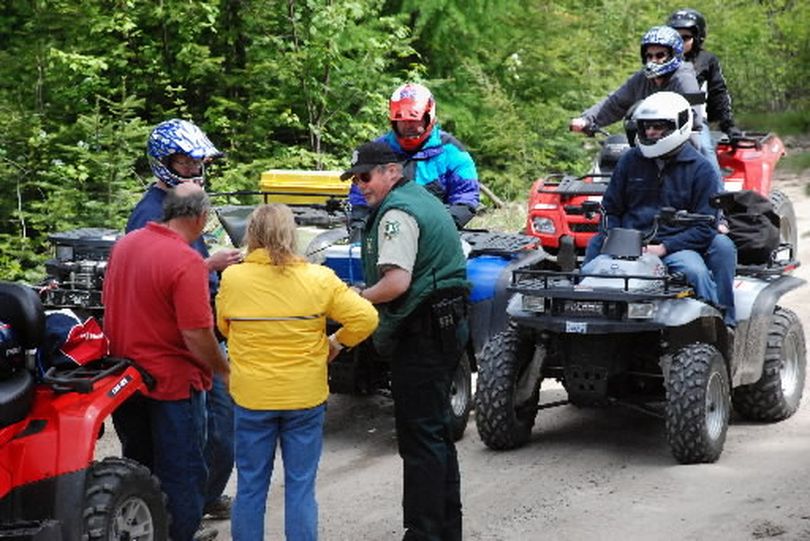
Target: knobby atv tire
[(783, 207), (123, 501), (461, 397), (503, 424), (778, 392), (698, 404)]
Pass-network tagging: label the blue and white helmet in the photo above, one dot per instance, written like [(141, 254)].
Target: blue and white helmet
[(665, 36), (177, 136)]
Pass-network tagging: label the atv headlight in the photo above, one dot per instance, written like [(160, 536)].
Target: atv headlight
[(534, 304), (640, 310), (543, 225)]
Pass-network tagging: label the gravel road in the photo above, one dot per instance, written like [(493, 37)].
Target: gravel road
[(586, 474)]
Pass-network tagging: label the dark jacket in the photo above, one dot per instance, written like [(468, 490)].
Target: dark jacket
[(638, 190), (711, 80)]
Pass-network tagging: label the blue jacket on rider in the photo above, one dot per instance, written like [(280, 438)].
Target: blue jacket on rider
[(443, 166), (641, 186)]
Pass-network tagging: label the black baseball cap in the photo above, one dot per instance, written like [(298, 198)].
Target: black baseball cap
[(368, 156)]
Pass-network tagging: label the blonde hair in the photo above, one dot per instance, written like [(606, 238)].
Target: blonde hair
[(272, 227)]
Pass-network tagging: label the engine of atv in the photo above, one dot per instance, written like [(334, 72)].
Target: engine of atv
[(75, 274)]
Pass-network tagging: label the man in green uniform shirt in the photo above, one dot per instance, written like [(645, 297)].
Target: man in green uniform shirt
[(416, 275)]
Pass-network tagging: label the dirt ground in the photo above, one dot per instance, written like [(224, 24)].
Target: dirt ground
[(586, 474)]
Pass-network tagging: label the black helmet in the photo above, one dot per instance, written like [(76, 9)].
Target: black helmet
[(692, 20)]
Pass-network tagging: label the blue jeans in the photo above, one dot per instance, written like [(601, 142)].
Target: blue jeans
[(178, 434), (708, 148), (593, 248), (256, 435), (721, 258), (219, 444), (691, 265)]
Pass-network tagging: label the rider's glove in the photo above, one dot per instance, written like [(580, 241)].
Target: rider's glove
[(728, 127), (461, 214)]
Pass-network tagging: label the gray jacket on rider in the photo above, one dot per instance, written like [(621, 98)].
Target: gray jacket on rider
[(613, 108)]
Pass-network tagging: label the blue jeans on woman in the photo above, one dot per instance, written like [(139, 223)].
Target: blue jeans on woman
[(256, 433)]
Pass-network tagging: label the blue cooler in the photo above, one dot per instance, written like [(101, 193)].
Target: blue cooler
[(346, 261)]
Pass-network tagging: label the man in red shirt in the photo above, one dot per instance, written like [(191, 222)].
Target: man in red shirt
[(157, 313)]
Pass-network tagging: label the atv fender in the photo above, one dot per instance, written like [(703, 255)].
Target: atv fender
[(752, 332), (490, 316)]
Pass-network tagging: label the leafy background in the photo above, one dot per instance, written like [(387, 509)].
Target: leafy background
[(299, 83)]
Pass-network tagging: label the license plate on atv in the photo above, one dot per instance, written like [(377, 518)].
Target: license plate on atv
[(576, 327)]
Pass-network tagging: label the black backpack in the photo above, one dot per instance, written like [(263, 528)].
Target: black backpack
[(753, 225)]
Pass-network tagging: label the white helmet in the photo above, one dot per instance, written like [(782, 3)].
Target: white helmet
[(673, 112)]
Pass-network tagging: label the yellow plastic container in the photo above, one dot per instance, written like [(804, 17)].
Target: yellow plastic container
[(296, 187)]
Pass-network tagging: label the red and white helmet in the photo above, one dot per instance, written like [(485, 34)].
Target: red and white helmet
[(412, 101)]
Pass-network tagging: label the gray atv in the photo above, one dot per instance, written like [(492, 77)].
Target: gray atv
[(630, 333)]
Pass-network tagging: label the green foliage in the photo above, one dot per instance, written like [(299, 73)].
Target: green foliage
[(299, 83), (789, 122), (796, 163)]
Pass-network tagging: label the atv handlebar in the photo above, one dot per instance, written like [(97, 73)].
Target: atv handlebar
[(666, 216), (670, 216)]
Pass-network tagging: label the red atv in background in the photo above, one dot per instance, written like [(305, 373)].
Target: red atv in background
[(51, 488), (557, 217)]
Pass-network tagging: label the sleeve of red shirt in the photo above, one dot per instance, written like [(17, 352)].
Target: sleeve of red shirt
[(191, 295)]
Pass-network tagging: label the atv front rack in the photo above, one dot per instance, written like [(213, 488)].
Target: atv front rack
[(573, 186), (502, 244), (567, 284), (82, 379), (776, 266), (748, 139)]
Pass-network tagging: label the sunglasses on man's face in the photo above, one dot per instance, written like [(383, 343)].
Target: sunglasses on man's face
[(687, 37), (365, 178), (660, 55), (655, 125)]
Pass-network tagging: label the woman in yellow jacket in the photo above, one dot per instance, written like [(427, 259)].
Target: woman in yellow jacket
[(273, 310)]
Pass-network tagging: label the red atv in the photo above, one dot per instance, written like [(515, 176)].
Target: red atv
[(556, 215), (50, 486)]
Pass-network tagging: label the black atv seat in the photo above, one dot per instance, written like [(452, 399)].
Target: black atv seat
[(16, 397), (21, 308), (234, 218)]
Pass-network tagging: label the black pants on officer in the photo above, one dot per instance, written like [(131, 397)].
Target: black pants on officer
[(422, 370)]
